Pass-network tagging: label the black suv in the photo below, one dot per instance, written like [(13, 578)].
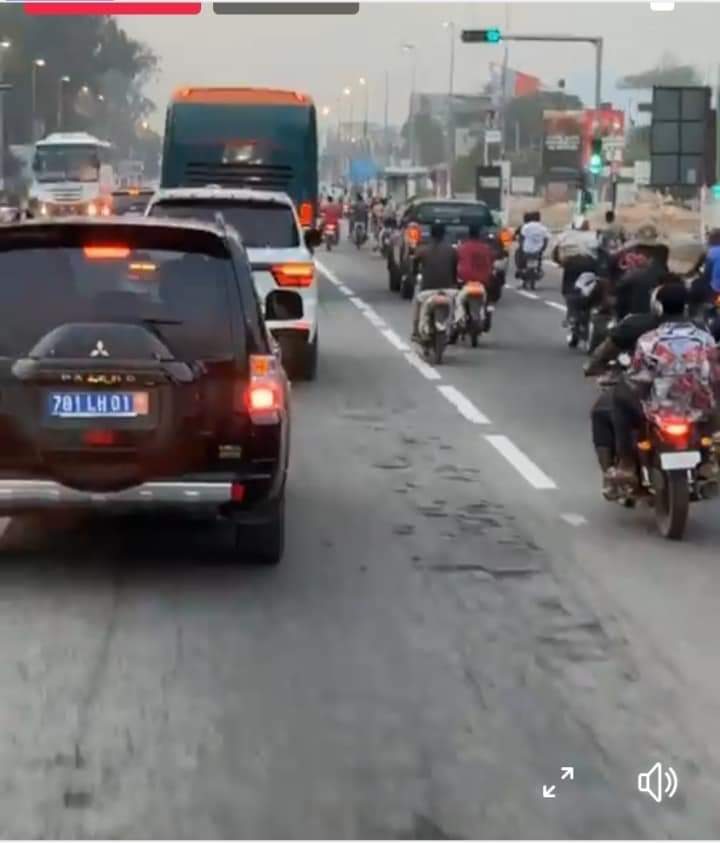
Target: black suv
[(456, 215), (136, 373)]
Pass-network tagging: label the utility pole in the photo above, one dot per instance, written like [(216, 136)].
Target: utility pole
[(386, 129)]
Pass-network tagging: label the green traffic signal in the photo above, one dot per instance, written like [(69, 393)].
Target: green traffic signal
[(481, 36), (596, 164)]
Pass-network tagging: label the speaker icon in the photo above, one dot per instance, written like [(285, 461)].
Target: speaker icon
[(659, 782)]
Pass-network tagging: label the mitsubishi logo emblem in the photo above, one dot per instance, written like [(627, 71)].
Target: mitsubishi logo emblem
[(99, 350)]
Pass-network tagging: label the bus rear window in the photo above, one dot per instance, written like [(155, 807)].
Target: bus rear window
[(453, 214)]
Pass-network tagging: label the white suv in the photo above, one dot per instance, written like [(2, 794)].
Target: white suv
[(280, 256)]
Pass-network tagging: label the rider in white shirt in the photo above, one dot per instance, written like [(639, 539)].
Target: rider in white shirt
[(534, 239)]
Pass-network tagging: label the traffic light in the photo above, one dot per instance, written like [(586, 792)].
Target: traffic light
[(481, 36), (596, 156)]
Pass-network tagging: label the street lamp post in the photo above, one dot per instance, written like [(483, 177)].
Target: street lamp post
[(4, 45), (364, 84), (450, 26), (412, 49), (348, 93), (62, 81), (37, 63)]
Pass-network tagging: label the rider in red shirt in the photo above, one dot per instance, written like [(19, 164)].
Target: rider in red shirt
[(331, 215), (475, 258)]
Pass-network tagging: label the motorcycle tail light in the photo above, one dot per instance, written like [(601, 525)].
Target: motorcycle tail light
[(644, 445), (475, 288), (675, 428), (413, 234)]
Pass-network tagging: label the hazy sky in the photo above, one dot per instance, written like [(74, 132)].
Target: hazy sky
[(322, 55)]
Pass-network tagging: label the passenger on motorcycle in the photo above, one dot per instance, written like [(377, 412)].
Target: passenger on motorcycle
[(438, 264), (636, 271), (331, 214), (674, 369), (475, 263), (534, 239), (576, 251)]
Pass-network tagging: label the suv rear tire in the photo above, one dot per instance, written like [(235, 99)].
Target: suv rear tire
[(263, 544), (308, 360)]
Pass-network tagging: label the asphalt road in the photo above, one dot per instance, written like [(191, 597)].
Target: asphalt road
[(458, 617)]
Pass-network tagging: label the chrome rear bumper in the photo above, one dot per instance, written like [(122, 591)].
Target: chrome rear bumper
[(32, 495)]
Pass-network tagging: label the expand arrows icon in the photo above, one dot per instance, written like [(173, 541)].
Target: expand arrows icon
[(566, 773)]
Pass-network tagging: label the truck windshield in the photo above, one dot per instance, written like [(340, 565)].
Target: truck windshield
[(66, 163)]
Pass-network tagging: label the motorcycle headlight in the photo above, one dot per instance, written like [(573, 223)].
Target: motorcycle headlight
[(92, 210), (44, 210)]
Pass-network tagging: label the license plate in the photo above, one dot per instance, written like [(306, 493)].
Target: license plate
[(93, 405), (679, 459)]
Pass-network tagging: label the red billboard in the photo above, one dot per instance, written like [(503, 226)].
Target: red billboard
[(607, 123)]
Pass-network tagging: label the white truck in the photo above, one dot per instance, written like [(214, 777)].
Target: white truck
[(73, 174)]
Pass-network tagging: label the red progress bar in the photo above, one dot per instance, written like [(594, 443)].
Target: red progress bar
[(112, 7)]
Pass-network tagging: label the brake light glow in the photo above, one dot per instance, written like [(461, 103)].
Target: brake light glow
[(237, 493), (263, 398), (103, 253), (294, 274), (413, 234), (506, 237), (675, 427), (306, 213), (475, 287), (99, 438)]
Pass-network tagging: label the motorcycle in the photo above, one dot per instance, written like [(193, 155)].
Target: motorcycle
[(675, 465), (532, 272), (435, 325), (579, 317), (476, 318), (386, 240), (359, 234), (330, 235)]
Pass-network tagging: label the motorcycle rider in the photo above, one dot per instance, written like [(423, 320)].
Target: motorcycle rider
[(576, 251), (359, 214), (439, 266), (377, 213), (621, 339), (673, 367), (534, 239), (331, 215), (474, 263)]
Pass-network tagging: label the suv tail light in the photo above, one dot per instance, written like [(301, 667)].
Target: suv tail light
[(413, 234), (263, 398), (294, 274)]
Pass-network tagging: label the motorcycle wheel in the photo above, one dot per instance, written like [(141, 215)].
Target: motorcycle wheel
[(474, 335), (672, 503), (328, 247), (439, 348), (572, 340), (407, 288)]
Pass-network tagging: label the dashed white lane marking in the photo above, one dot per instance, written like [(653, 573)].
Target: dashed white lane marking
[(425, 369), (359, 303), (374, 318), (527, 295), (463, 405), (555, 304), (535, 476), (395, 340), (573, 519), (346, 290)]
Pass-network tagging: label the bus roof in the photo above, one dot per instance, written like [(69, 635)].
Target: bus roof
[(71, 139), (241, 96)]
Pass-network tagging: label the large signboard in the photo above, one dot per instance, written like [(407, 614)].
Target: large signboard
[(562, 141), (489, 186), (681, 137)]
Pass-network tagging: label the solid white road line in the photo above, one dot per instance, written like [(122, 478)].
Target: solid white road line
[(521, 462), (424, 368), (573, 519), (395, 340), (555, 304), (527, 295), (463, 405), (374, 318)]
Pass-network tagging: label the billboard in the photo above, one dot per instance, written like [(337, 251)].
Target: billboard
[(562, 141), (607, 123), (682, 139), (517, 84)]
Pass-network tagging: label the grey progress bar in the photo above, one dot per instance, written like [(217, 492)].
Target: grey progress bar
[(286, 8)]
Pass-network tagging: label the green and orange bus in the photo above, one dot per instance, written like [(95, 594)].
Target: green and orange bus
[(244, 138)]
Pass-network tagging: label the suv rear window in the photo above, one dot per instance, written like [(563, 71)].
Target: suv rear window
[(183, 296), (262, 225), (453, 214)]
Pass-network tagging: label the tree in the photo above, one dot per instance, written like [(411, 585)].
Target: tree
[(429, 139), (527, 114), (667, 72), (100, 59)]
